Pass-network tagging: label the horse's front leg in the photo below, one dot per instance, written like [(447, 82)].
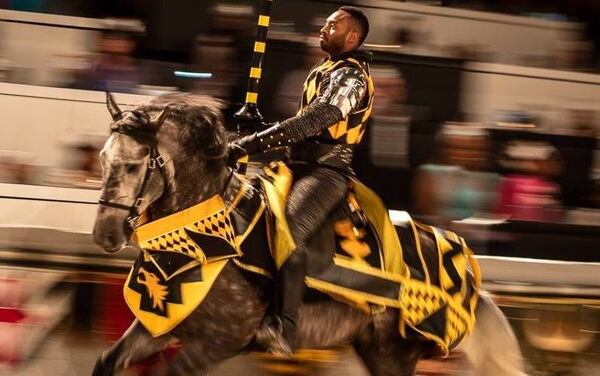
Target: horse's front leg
[(135, 345), (195, 358)]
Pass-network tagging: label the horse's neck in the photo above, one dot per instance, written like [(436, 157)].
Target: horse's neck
[(188, 191)]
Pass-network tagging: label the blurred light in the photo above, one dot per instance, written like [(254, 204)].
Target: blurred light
[(383, 46), (516, 125), (193, 74)]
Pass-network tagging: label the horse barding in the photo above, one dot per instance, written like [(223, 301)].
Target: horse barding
[(210, 241)]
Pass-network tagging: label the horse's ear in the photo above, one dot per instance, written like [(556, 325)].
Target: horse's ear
[(113, 108), (159, 119)]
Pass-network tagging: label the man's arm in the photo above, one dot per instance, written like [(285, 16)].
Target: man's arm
[(347, 86)]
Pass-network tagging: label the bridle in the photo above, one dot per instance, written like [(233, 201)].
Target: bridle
[(156, 162)]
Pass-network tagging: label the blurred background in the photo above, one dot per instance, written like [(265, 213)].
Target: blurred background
[(486, 122)]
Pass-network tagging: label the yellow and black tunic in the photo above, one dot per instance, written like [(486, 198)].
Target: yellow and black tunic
[(339, 72)]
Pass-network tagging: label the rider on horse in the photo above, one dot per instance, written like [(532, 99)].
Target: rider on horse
[(334, 110)]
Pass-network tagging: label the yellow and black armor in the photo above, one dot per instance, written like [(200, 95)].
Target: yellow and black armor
[(335, 107), (351, 128)]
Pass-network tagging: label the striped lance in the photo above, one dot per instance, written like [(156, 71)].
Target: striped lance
[(249, 115)]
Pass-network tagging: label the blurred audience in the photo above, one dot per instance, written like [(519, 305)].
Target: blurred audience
[(574, 55), (114, 68), (530, 192), (389, 125), (16, 167), (457, 184), (290, 88), (224, 51), (414, 39), (583, 122), (215, 55), (81, 168)]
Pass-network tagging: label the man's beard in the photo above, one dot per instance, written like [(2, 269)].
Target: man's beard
[(334, 47)]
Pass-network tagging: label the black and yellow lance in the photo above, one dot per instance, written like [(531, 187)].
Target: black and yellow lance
[(248, 117)]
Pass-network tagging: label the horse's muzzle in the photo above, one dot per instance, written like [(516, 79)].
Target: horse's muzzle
[(109, 233)]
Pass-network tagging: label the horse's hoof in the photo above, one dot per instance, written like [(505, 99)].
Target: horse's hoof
[(101, 369)]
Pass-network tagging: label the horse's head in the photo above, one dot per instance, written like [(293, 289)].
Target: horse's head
[(150, 151), (133, 174)]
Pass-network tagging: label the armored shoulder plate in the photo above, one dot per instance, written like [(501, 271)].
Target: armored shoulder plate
[(347, 87)]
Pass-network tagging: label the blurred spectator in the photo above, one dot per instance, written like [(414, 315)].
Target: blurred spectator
[(235, 21), (458, 184), (114, 69), (391, 91), (215, 54), (389, 125), (290, 89), (583, 122), (574, 55), (85, 171), (530, 193), (16, 167), (469, 51), (230, 34), (414, 40), (82, 168), (88, 161)]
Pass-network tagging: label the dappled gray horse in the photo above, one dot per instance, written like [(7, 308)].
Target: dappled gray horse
[(170, 154)]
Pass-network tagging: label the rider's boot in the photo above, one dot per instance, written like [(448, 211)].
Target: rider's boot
[(278, 333)]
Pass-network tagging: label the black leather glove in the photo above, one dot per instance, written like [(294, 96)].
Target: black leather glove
[(251, 125), (245, 145)]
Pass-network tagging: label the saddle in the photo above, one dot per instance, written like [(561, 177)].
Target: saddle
[(427, 274)]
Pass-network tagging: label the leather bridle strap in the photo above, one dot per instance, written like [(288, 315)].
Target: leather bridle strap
[(156, 161)]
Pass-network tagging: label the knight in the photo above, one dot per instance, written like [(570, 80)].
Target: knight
[(334, 110)]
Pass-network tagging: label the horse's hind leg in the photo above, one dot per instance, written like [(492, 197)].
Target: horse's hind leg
[(384, 352), (135, 345)]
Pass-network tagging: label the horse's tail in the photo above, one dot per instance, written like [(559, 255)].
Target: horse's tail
[(492, 348)]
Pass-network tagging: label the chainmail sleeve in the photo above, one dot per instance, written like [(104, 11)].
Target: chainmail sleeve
[(343, 93), (318, 116)]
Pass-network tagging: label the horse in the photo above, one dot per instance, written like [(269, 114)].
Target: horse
[(170, 153)]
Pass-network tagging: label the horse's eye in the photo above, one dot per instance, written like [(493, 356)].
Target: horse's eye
[(131, 168)]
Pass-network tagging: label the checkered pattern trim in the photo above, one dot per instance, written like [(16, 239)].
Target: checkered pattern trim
[(218, 224), (448, 304), (175, 241), (457, 324), (419, 301)]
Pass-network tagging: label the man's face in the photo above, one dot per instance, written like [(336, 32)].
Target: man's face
[(334, 35)]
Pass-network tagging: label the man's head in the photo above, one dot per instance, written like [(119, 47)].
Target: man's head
[(345, 30)]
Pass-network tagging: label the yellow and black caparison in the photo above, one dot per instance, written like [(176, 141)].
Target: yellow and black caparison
[(375, 264)]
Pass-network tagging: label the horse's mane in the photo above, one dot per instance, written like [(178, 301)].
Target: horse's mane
[(182, 101), (198, 119)]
